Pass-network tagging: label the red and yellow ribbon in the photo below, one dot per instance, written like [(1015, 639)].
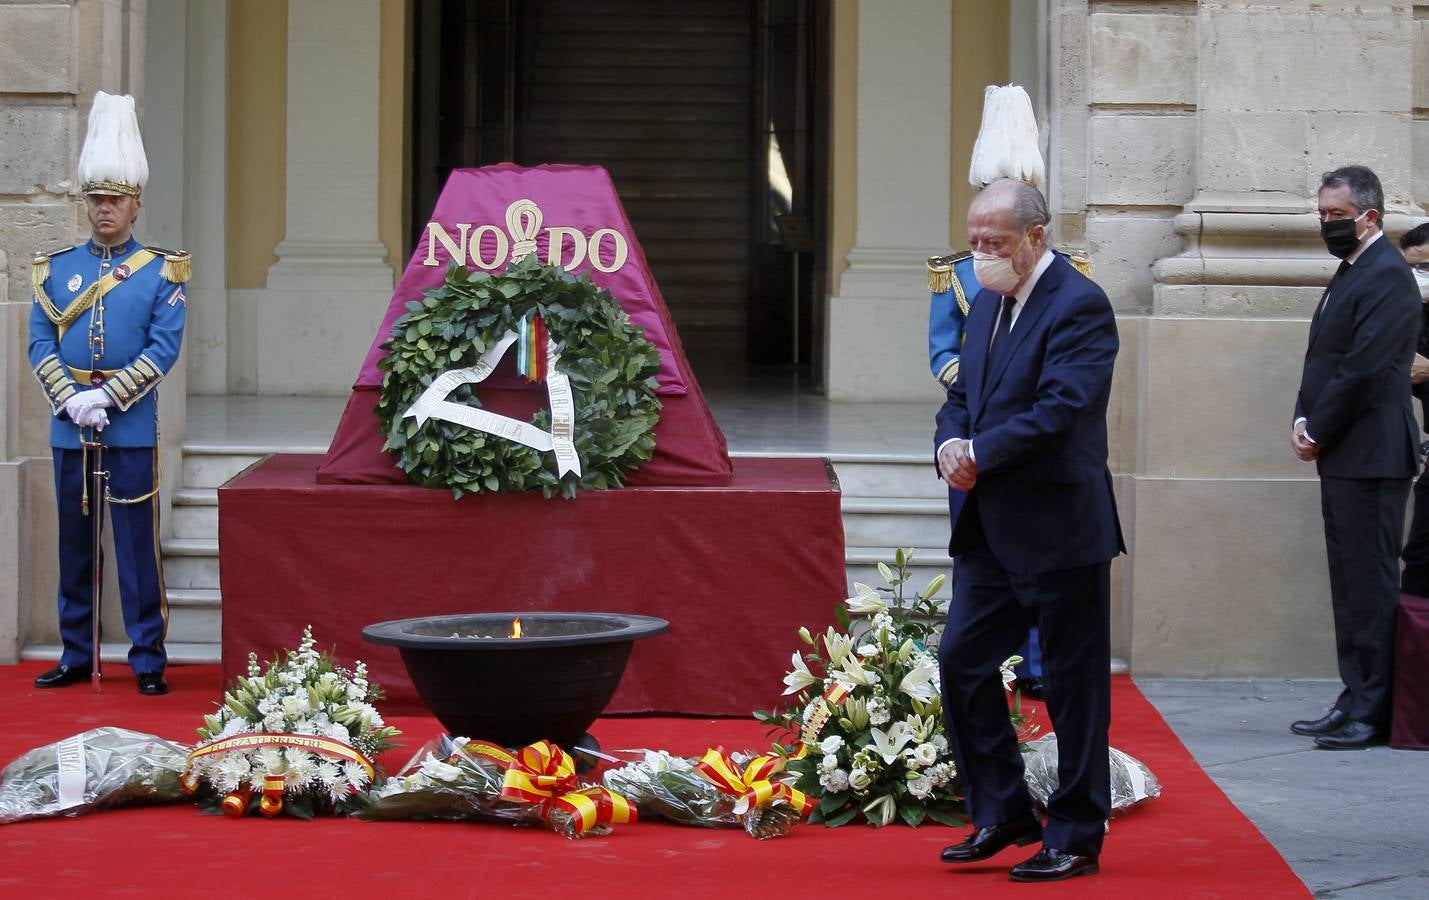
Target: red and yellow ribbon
[(271, 803), (544, 774), (809, 734), (754, 786)]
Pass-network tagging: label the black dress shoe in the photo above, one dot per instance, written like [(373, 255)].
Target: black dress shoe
[(1051, 864), (1031, 687), (1329, 723), (153, 683), (62, 676), (1352, 736), (990, 841)]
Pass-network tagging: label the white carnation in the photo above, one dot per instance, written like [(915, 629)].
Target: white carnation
[(829, 763), (835, 782), (925, 754)]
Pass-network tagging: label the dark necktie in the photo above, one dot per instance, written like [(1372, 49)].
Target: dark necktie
[(1000, 335), (1325, 300)]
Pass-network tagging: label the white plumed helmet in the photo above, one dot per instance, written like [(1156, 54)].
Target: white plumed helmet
[(113, 159), (1008, 145)]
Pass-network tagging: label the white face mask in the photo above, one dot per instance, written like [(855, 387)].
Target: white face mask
[(997, 273), (1421, 277)]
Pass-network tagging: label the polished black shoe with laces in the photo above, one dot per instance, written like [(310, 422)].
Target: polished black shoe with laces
[(62, 676), (1051, 864), (993, 839), (1329, 723), (1352, 736), (153, 684)]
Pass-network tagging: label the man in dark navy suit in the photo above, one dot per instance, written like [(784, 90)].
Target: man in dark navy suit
[(1353, 418), (1024, 433)]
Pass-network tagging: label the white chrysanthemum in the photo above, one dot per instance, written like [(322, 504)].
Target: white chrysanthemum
[(235, 767), (328, 773), (835, 782), (271, 762), (829, 763), (354, 774), (831, 744), (302, 768)]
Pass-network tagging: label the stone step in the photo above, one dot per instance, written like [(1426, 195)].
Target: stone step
[(195, 514), (190, 563), (211, 467), (889, 476), (115, 655), (895, 521), (195, 615)]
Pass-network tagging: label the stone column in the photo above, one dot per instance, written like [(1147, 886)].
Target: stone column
[(330, 286), (878, 323)]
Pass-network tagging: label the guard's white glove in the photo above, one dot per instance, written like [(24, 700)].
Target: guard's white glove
[(95, 417), (92, 398), (73, 407)]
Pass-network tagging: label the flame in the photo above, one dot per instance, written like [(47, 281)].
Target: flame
[(516, 627)]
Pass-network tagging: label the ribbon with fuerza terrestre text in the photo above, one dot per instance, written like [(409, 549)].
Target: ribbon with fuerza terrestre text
[(433, 404)]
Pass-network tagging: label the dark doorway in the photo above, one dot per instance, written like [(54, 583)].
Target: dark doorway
[(709, 116)]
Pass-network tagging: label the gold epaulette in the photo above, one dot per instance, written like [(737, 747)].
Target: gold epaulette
[(1080, 260), (39, 272), (178, 265), (940, 270)]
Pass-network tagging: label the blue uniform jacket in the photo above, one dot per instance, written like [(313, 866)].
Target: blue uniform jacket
[(946, 318), (111, 318)]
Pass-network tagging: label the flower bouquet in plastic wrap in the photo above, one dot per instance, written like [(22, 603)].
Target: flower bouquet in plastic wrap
[(298, 739), (1132, 783), (456, 779), (718, 790), (103, 768)]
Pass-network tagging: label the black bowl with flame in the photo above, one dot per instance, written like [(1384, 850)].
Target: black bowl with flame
[(482, 681)]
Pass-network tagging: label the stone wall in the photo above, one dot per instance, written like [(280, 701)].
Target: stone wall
[(1188, 143), (53, 57)]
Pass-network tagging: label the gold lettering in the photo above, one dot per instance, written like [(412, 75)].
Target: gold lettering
[(555, 248), (456, 250), (503, 245), (621, 251)]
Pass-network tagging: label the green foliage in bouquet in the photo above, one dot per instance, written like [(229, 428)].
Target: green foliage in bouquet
[(867, 709), (300, 738), (611, 366)]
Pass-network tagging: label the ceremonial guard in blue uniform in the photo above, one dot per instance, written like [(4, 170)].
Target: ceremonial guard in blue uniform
[(105, 328)]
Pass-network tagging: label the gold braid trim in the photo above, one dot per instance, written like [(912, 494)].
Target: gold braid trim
[(1080, 260), (940, 271)]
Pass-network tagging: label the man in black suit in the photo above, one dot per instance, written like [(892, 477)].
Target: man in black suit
[(1415, 578), (1024, 433), (1353, 419)]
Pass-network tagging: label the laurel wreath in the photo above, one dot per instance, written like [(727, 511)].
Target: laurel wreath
[(610, 364)]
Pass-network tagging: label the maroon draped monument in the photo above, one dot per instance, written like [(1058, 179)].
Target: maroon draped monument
[(736, 555)]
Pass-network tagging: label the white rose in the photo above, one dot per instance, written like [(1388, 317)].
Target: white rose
[(925, 754), (831, 744), (859, 779), (830, 763)]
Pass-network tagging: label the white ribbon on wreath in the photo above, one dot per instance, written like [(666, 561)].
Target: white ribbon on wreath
[(433, 404)]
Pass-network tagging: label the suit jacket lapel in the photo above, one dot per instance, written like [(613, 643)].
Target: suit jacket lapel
[(1037, 303), (1339, 285)]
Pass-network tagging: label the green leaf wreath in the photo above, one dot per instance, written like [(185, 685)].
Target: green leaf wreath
[(610, 364)]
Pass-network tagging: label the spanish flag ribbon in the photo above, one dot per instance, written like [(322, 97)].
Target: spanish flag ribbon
[(544, 774), (271, 803), (829, 702), (322, 746), (531, 356), (754, 786), (489, 752)]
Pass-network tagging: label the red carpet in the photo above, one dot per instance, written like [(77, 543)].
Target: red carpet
[(1190, 843)]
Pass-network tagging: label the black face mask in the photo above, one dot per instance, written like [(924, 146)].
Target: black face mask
[(1339, 236)]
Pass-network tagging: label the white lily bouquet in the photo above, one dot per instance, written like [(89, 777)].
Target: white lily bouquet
[(866, 723), (301, 738)]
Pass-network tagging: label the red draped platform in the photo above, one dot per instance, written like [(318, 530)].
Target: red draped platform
[(735, 569)]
